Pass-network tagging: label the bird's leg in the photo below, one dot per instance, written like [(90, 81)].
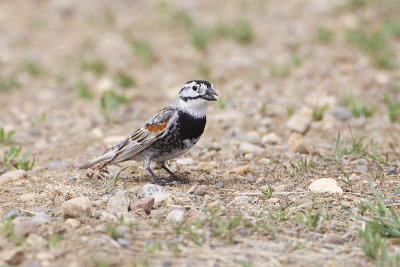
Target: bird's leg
[(174, 177), (155, 178)]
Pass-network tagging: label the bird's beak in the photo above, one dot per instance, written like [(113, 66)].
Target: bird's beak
[(210, 95)]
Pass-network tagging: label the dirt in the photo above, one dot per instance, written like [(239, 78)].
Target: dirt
[(283, 68)]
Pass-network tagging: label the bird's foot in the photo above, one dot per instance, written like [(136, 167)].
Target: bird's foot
[(183, 180)]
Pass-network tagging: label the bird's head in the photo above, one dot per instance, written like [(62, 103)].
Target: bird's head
[(194, 97)]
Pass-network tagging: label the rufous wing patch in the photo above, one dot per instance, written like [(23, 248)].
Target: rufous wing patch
[(154, 128)]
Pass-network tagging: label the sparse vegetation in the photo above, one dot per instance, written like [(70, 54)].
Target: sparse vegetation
[(111, 101), (143, 51), (32, 67), (356, 106), (324, 35), (93, 64), (125, 80), (8, 83), (84, 90)]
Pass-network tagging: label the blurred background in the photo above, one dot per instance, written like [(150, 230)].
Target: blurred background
[(73, 72)]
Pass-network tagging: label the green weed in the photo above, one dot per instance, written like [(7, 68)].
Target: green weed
[(11, 154), (204, 71), (32, 67), (393, 108), (94, 65), (8, 83), (279, 70), (268, 192), (6, 136), (53, 241), (111, 231), (8, 232), (111, 185), (84, 90), (24, 163), (356, 106), (111, 101), (242, 31), (143, 51), (324, 35), (154, 247), (125, 80), (200, 36), (318, 112), (290, 109)]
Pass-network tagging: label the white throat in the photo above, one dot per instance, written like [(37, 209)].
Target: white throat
[(195, 107)]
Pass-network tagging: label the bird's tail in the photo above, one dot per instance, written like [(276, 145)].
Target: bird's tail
[(94, 161)]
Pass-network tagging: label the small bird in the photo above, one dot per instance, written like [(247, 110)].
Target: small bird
[(168, 134)]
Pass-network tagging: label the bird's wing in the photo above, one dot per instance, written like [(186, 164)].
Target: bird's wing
[(148, 133)]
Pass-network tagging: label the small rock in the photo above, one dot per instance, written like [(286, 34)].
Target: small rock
[(219, 184), (333, 239), (105, 216), (207, 166), (146, 204), (24, 228), (201, 191), (264, 161), (325, 185), (342, 113), (185, 161), (96, 133), (123, 231), (391, 171), (58, 164), (12, 176), (159, 199), (123, 242), (119, 202), (249, 156), (150, 189), (73, 223), (362, 168), (250, 178), (35, 240), (13, 255), (77, 207), (242, 170), (246, 147), (45, 256), (382, 78), (298, 123), (243, 199), (271, 139), (355, 178), (11, 213), (29, 197), (177, 216), (41, 218), (297, 144)]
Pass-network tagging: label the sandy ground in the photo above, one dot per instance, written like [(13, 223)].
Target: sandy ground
[(283, 70)]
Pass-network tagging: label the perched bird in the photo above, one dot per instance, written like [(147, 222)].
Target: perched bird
[(168, 134)]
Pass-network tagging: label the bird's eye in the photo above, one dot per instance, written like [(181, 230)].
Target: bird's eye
[(194, 87)]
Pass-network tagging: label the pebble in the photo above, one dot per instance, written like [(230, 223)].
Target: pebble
[(12, 176), (242, 170), (96, 133), (177, 216), (362, 168), (150, 189), (77, 207), (333, 239), (73, 223), (160, 199), (249, 156), (264, 161), (35, 240), (106, 216), (342, 113), (219, 184), (24, 228), (250, 178), (325, 185), (29, 197), (45, 256), (58, 164), (243, 199), (271, 139), (13, 256), (201, 191), (207, 166), (119, 202), (123, 242), (185, 161), (355, 178), (298, 123), (41, 218), (391, 170), (246, 147), (123, 231), (11, 214), (297, 144), (146, 204)]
